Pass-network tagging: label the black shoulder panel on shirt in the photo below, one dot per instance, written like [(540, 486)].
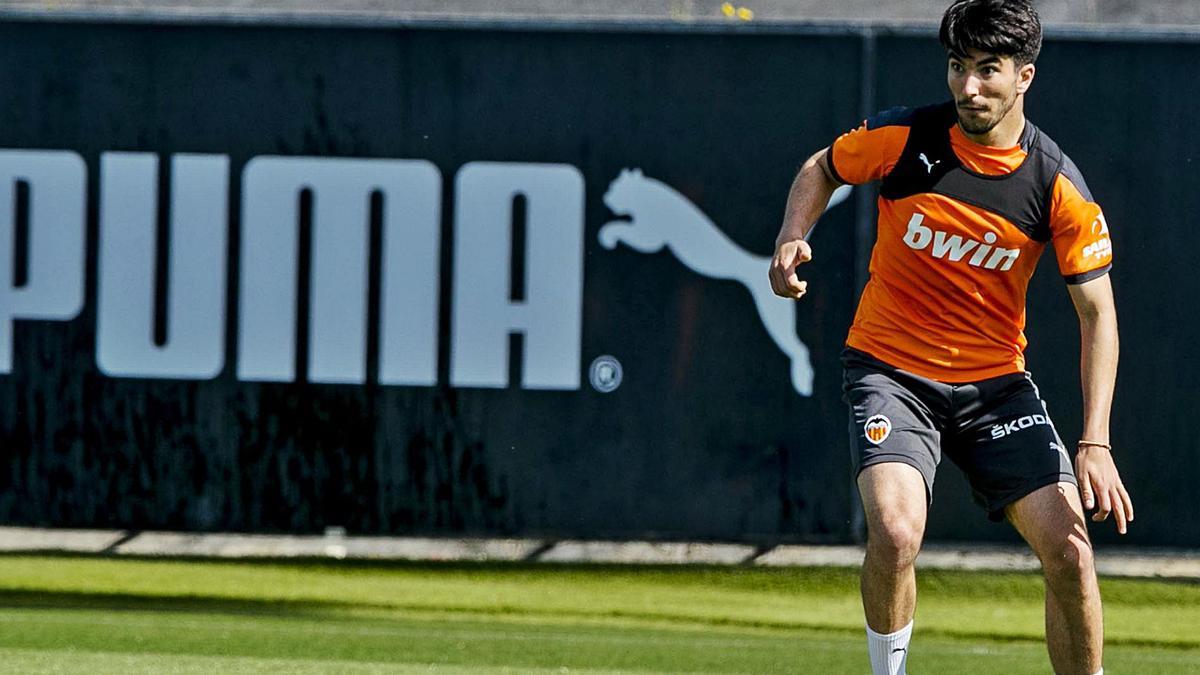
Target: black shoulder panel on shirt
[(924, 159), (928, 165), (1076, 177), (892, 117)]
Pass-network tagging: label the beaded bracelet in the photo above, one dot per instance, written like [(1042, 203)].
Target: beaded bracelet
[(1095, 444)]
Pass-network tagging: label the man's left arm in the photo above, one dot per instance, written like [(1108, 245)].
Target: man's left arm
[(1099, 482)]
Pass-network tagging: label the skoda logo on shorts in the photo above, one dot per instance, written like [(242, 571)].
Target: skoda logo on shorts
[(877, 428)]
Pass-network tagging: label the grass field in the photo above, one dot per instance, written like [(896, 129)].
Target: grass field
[(118, 615)]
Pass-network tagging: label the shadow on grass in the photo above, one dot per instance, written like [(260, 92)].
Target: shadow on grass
[(320, 609), (317, 563), (315, 610), (183, 604), (957, 583)]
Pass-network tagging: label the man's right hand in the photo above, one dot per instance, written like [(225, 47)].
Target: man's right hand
[(789, 254)]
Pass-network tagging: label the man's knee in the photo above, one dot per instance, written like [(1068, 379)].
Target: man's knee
[(1068, 563), (894, 540), (895, 500)]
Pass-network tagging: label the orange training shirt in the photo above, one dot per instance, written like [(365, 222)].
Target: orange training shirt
[(946, 295)]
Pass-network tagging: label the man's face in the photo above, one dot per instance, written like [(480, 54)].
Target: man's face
[(985, 88)]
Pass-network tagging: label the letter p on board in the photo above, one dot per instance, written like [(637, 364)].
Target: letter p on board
[(52, 289)]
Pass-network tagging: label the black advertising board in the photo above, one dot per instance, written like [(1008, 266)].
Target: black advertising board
[(475, 282)]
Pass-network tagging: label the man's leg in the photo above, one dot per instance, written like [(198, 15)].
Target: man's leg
[(1051, 520), (895, 504)]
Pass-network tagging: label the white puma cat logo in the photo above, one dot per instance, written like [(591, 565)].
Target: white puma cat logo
[(663, 217), (928, 165)]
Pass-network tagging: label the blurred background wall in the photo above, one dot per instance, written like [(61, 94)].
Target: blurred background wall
[(225, 230), (1126, 13)]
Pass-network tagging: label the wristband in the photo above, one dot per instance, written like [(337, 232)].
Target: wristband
[(1095, 444)]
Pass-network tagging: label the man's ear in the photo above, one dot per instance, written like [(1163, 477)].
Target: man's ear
[(1025, 77)]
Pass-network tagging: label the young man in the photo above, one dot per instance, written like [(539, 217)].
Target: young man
[(970, 195)]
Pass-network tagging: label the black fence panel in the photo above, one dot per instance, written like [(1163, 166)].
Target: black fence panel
[(509, 282), (322, 399)]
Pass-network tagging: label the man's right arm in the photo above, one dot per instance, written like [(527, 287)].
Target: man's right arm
[(807, 199)]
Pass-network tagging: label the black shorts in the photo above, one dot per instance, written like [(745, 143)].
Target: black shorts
[(996, 430)]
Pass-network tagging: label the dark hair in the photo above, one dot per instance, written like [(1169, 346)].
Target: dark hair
[(1001, 27)]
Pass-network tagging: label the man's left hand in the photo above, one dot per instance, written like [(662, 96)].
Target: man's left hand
[(1101, 487)]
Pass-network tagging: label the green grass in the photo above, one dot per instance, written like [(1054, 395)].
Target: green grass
[(96, 615)]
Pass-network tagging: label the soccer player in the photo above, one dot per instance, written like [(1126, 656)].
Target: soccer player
[(970, 194)]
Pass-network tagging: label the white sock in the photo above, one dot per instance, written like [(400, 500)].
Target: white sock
[(1100, 672), (888, 652)]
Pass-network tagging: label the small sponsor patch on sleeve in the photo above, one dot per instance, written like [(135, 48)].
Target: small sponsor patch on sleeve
[(1079, 230)]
